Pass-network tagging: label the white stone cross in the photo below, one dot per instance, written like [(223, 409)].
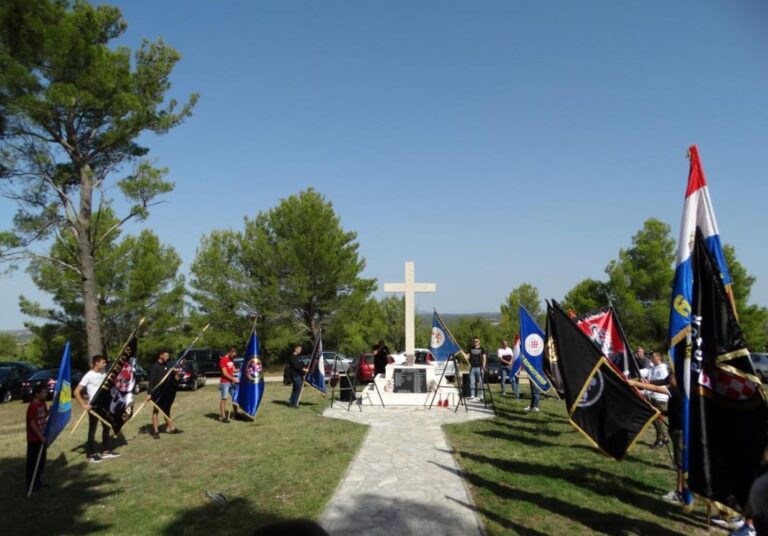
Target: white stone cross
[(410, 288)]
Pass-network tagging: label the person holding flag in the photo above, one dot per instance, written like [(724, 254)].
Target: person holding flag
[(250, 390), (157, 373), (296, 371), (37, 416), (91, 381), (55, 421)]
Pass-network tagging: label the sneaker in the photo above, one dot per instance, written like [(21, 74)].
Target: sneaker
[(110, 454), (175, 431), (744, 530), (536, 410), (95, 458), (673, 497), (730, 524)]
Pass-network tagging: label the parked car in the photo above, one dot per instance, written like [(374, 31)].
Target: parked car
[(493, 368), (10, 384), (760, 361), (24, 369), (362, 367), (142, 379), (342, 362), (47, 377), (207, 360), (190, 377)]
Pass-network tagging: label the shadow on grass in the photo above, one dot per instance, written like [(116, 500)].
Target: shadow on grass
[(236, 517), (504, 522), (518, 438), (622, 488), (59, 508), (603, 522)]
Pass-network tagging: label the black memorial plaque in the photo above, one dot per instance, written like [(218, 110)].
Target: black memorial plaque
[(410, 380)]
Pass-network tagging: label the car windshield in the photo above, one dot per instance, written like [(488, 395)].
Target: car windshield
[(493, 359), (44, 374)]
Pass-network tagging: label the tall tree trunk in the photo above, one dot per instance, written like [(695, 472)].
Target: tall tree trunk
[(88, 266)]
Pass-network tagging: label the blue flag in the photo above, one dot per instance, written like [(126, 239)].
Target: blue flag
[(250, 390), (441, 344), (316, 368), (532, 351), (61, 408)]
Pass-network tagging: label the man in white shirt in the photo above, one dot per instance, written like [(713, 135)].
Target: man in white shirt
[(657, 375), (507, 358), (91, 382)]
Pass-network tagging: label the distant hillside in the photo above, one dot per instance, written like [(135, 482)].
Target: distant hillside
[(23, 335), (450, 318)]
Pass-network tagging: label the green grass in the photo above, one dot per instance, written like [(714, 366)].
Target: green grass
[(285, 464), (534, 474)]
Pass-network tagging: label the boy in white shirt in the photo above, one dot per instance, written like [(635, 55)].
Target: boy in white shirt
[(657, 375), (91, 381)]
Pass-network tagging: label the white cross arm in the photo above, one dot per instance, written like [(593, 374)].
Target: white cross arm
[(415, 287)]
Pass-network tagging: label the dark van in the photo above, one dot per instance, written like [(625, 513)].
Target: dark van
[(207, 360)]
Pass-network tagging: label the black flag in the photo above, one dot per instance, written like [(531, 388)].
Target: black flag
[(552, 363), (113, 402), (601, 404), (729, 416)]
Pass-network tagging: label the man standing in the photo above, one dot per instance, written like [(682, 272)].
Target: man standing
[(380, 358), (507, 358), (227, 382), (91, 381), (37, 415), (158, 372), (477, 360), (297, 370), (658, 376)]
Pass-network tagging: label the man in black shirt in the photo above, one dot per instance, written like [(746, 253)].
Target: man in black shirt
[(380, 358), (296, 371), (477, 360), (165, 397)]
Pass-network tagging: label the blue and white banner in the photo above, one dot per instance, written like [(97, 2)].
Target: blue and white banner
[(532, 351), (61, 408), (316, 368), (250, 390), (441, 344)]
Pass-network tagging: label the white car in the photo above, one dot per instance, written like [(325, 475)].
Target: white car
[(424, 357)]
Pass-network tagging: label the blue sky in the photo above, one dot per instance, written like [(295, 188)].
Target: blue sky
[(493, 143)]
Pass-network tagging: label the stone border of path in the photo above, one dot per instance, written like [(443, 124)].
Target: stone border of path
[(403, 480)]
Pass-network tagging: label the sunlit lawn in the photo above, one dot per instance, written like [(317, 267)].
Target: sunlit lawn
[(534, 474), (286, 464)]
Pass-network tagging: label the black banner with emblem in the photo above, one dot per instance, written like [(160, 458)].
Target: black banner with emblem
[(601, 404), (729, 415), (113, 402)]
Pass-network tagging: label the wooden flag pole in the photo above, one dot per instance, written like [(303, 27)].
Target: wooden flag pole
[(167, 374), (37, 466), (82, 415)]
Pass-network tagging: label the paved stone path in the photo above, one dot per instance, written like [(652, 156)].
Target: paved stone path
[(404, 479)]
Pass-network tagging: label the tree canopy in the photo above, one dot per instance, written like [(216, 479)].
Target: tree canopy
[(73, 108)]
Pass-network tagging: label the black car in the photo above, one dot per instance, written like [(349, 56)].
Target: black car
[(190, 377), (493, 369), (142, 379), (49, 378), (24, 369), (760, 361), (207, 360), (10, 384)]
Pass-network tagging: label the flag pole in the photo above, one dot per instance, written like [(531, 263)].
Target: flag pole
[(37, 466), (304, 376), (82, 415)]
